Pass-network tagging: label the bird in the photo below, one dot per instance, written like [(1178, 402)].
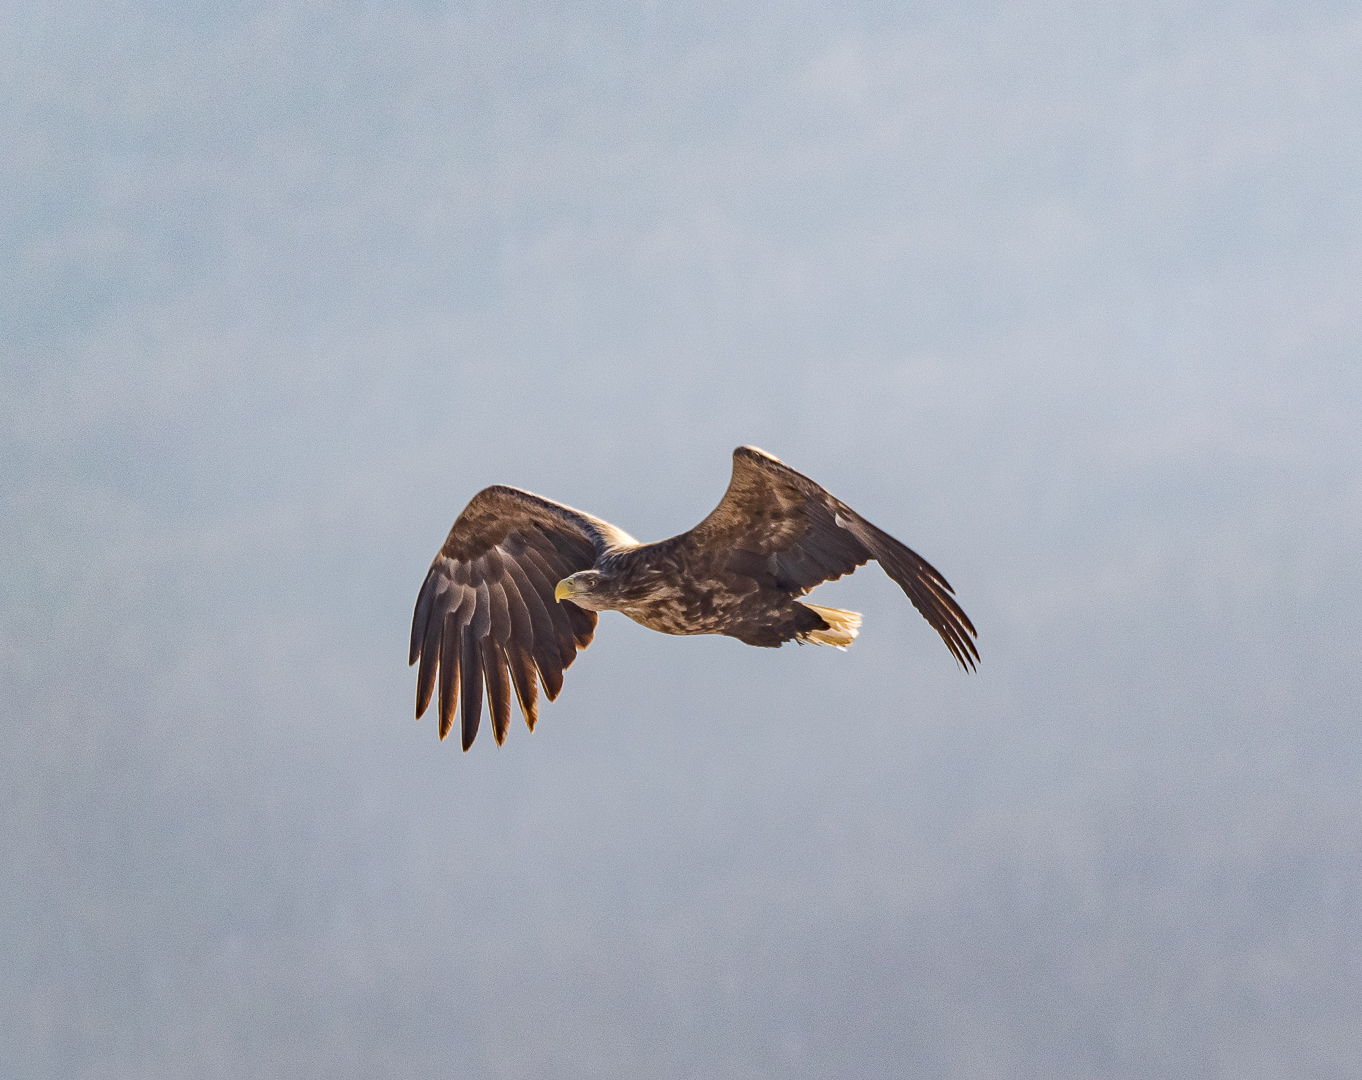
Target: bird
[(514, 591)]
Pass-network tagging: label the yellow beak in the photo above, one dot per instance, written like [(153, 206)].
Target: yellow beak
[(563, 591)]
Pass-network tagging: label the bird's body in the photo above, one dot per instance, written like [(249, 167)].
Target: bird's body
[(515, 589), (664, 587)]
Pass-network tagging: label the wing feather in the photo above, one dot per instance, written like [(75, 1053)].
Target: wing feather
[(424, 601), (521, 666), (481, 624), (429, 655), (583, 622), (929, 592), (500, 612), (498, 688), (522, 627), (470, 687), (799, 568), (449, 671), (486, 615)]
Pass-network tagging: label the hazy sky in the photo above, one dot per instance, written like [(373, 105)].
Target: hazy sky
[(1064, 296)]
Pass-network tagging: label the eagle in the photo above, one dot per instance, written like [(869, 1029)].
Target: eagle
[(514, 591)]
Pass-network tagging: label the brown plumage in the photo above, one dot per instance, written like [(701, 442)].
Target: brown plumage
[(514, 591)]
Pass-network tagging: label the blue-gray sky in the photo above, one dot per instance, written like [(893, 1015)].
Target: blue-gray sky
[(1064, 296)]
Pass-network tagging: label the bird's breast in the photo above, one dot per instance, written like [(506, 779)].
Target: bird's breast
[(680, 613)]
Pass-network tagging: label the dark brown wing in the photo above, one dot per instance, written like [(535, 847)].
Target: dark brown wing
[(776, 525), (487, 614)]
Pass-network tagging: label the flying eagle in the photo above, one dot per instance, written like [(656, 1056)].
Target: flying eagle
[(516, 586)]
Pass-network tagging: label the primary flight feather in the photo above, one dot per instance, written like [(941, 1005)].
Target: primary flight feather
[(514, 591)]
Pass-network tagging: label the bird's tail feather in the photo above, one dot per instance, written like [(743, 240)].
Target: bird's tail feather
[(843, 626)]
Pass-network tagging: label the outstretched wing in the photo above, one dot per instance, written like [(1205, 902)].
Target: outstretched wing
[(778, 527), (487, 613)]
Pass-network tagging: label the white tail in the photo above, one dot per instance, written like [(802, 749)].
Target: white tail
[(843, 626)]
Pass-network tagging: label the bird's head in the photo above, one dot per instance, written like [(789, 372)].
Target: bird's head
[(586, 588)]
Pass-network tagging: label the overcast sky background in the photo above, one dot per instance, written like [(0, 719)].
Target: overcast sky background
[(1063, 295)]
